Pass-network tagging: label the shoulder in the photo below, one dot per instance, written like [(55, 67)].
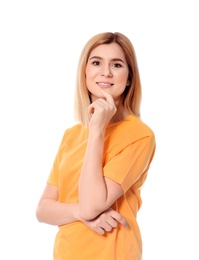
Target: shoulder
[(129, 131), (134, 126), (142, 136), (140, 129), (74, 132)]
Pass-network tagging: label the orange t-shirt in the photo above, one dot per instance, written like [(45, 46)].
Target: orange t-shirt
[(129, 147)]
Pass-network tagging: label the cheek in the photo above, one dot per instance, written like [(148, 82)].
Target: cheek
[(87, 76), (124, 82), (89, 72), (128, 82), (89, 84)]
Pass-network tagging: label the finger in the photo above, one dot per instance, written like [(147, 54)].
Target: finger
[(119, 218), (100, 103), (107, 227), (107, 96), (112, 222), (100, 231)]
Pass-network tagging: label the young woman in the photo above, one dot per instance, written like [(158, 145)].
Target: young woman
[(93, 190)]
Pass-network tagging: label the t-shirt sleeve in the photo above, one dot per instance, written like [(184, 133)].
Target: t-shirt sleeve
[(131, 164), (53, 177)]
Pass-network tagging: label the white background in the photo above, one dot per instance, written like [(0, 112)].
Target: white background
[(40, 43)]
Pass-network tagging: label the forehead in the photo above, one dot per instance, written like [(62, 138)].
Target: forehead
[(108, 51)]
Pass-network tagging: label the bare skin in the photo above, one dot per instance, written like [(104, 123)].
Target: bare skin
[(52, 212)]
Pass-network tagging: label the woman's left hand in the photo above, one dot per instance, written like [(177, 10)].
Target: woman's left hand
[(106, 221)]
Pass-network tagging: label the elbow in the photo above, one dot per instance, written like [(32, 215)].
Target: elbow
[(38, 215), (88, 214), (89, 211)]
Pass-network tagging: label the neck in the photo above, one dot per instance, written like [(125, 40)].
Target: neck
[(119, 115)]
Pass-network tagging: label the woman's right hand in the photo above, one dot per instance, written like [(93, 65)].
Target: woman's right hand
[(102, 110), (106, 221)]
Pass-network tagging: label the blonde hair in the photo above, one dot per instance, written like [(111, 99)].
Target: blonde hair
[(132, 94)]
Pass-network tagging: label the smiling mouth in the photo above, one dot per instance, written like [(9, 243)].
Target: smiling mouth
[(104, 84)]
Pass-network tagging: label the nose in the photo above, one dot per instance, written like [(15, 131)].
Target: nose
[(106, 71)]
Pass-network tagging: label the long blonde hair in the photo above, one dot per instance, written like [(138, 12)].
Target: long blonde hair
[(132, 94)]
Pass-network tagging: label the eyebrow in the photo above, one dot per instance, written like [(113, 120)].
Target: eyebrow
[(100, 58)]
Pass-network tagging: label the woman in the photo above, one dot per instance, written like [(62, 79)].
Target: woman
[(93, 190)]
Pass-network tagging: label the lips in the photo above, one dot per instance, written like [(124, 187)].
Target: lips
[(104, 84)]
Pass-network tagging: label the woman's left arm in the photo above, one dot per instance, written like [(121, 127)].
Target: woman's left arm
[(98, 188), (96, 192)]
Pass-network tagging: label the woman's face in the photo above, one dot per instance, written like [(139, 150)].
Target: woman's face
[(107, 69)]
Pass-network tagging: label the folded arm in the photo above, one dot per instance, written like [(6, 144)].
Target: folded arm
[(96, 192), (52, 212)]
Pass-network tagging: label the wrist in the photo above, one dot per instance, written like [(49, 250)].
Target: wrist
[(96, 132)]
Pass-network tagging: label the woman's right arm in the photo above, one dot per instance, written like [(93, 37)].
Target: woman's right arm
[(52, 212)]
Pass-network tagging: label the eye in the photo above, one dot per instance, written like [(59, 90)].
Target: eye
[(117, 65), (96, 63)]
